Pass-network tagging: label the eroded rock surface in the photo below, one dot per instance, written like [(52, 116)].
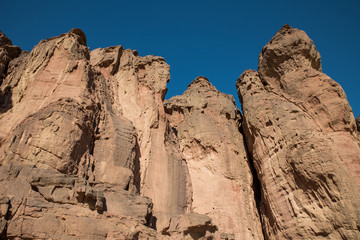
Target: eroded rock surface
[(57, 137), (46, 204), (56, 68), (190, 226), (138, 85), (207, 124), (7, 53), (89, 148), (52, 158), (301, 133), (82, 136)]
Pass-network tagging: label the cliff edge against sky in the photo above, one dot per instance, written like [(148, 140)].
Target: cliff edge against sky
[(90, 148)]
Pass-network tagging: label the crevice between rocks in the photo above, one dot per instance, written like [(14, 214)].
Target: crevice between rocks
[(256, 182)]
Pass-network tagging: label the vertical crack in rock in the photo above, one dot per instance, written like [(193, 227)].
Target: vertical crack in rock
[(137, 179), (256, 182)]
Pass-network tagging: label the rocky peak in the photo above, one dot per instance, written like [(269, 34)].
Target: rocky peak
[(200, 81), (7, 53), (290, 49), (4, 40), (250, 83), (207, 125), (201, 87), (106, 60), (358, 123), (79, 34), (299, 137), (201, 96)]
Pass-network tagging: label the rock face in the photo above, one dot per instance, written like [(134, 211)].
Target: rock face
[(138, 86), (82, 136), (50, 124), (43, 204), (303, 143), (207, 124), (89, 148)]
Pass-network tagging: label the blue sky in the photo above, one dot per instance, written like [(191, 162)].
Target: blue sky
[(215, 39)]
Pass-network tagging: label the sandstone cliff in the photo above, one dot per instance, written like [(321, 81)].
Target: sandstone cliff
[(49, 127), (89, 148), (207, 124), (303, 144), (85, 135)]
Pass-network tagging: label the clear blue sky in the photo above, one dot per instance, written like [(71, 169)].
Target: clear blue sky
[(216, 39)]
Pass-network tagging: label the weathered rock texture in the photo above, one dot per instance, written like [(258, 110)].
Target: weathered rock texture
[(301, 134), (138, 86), (7, 53), (82, 135), (89, 148), (207, 123)]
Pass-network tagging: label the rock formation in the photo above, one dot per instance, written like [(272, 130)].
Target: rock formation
[(7, 53), (48, 132), (86, 132), (303, 143), (90, 148), (138, 86), (207, 124)]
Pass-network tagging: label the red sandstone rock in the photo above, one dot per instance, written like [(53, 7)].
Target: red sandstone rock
[(138, 86), (207, 123), (300, 131), (81, 137), (89, 148), (52, 157)]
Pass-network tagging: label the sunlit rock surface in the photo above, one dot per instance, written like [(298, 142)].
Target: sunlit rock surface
[(90, 148), (301, 134)]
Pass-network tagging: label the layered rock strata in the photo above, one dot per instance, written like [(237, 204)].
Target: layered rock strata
[(89, 148), (301, 134), (82, 134)]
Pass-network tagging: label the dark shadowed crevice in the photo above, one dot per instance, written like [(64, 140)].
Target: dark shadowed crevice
[(4, 216), (152, 222), (136, 171), (256, 182), (5, 100), (199, 232)]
